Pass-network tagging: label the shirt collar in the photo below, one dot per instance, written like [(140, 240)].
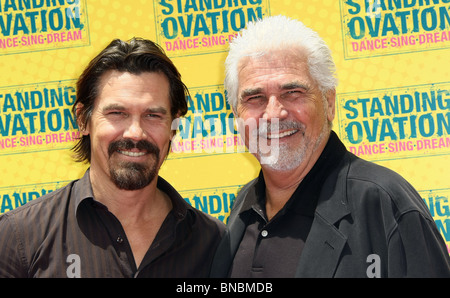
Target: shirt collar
[(305, 197), (179, 205), (82, 192)]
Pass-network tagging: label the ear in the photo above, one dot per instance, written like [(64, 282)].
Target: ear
[(236, 119), (174, 126), (331, 101), (80, 120)]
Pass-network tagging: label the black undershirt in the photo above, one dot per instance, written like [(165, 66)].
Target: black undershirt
[(273, 248)]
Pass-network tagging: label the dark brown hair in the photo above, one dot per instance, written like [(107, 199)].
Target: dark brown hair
[(134, 56)]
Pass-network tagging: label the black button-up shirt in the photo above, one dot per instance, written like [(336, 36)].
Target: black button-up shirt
[(273, 248), (68, 234)]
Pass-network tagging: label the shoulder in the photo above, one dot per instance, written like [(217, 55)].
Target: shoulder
[(243, 192), (36, 217), (198, 219), (46, 204), (368, 183), (246, 188), (205, 221), (25, 228)]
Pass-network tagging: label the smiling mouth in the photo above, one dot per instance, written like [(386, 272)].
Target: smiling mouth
[(280, 135), (131, 153), (127, 147)]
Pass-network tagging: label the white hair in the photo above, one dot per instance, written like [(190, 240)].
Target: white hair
[(275, 33)]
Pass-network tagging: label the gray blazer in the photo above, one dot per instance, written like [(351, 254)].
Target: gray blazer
[(369, 222)]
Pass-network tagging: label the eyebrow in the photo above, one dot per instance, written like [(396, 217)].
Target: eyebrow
[(251, 92), (118, 107), (113, 107), (157, 110), (294, 85), (287, 86)]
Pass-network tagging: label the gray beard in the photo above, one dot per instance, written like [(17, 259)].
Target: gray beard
[(283, 157)]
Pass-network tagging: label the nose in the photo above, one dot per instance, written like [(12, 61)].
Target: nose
[(274, 109), (134, 131)]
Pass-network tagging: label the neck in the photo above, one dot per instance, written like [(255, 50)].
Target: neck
[(130, 206), (281, 185), (141, 212)]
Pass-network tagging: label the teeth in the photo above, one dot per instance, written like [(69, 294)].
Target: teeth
[(281, 135), (133, 154)]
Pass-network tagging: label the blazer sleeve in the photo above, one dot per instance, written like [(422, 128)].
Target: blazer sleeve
[(416, 249)]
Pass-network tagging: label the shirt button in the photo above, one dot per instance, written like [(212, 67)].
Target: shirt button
[(119, 239), (264, 233)]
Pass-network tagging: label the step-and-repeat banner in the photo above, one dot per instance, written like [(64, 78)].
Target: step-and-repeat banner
[(393, 99)]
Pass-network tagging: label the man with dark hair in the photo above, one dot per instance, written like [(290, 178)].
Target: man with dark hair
[(120, 219)]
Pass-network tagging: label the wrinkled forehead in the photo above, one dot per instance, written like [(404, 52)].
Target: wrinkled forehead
[(273, 65), (271, 59)]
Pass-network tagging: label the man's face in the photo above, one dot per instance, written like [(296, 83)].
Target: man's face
[(276, 89), (130, 128)]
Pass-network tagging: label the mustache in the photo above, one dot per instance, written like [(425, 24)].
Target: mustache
[(269, 127), (127, 144)]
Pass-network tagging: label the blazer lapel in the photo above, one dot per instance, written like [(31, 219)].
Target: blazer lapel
[(322, 250), (325, 242)]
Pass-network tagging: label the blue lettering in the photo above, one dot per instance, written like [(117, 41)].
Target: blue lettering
[(372, 134), (203, 103), (363, 102), (354, 25), (388, 25), (423, 127), (443, 123), (9, 103), (234, 18), (56, 19), (442, 206), (356, 8), (6, 204), (198, 127), (185, 127), (6, 28), (201, 204), (432, 17), (190, 5), (20, 199), (4, 126), (349, 107), (376, 107), (374, 28), (215, 204), (354, 137), (404, 100), (444, 229), (200, 25), (387, 130), (217, 101), (54, 120), (170, 28), (18, 125), (168, 6), (20, 25), (186, 27), (10, 4)]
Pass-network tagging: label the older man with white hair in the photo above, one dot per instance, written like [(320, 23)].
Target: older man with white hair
[(315, 210)]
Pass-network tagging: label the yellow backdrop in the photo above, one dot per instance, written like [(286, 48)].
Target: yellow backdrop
[(393, 101)]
